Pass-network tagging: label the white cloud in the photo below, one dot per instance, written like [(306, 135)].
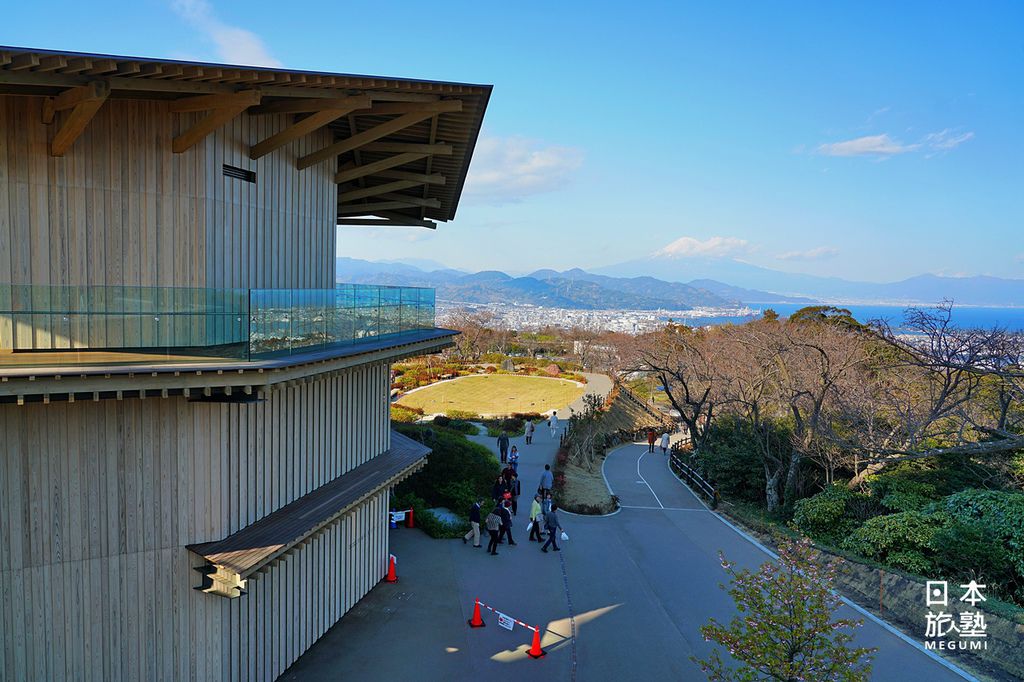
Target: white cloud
[(713, 247), (947, 139), (870, 145), (818, 253), (883, 146), (234, 45), (508, 169)]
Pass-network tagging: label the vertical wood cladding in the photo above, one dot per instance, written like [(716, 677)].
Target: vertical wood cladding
[(98, 499), (119, 208)]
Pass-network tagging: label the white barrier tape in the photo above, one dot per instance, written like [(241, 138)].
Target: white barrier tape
[(502, 613)]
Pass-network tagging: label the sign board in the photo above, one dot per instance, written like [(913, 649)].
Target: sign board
[(398, 516), (505, 621)]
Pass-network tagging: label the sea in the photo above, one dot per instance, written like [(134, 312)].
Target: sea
[(963, 316)]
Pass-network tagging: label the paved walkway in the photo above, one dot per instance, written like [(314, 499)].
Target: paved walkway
[(634, 587)]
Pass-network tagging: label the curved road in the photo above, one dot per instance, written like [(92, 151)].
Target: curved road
[(633, 587)]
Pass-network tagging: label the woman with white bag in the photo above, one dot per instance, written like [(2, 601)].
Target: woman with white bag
[(552, 525)]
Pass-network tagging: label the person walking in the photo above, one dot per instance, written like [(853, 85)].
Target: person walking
[(503, 446), (547, 481), (529, 432), (553, 526), (516, 490), (474, 524), (651, 436), (513, 459), (664, 443), (493, 523), (498, 489), (506, 523), (554, 424), (536, 519)]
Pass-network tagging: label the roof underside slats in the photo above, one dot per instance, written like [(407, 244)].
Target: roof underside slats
[(58, 74)]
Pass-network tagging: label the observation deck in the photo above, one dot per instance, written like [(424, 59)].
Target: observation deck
[(61, 341)]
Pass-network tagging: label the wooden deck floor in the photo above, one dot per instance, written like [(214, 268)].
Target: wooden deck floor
[(246, 551)]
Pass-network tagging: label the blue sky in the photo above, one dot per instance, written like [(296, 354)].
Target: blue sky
[(869, 140)]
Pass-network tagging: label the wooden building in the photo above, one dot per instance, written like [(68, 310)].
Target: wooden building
[(195, 452)]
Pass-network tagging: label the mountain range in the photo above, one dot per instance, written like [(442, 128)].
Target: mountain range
[(574, 288), (979, 290), (674, 283)]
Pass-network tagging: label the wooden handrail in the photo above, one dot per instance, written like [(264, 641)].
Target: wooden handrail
[(693, 479)]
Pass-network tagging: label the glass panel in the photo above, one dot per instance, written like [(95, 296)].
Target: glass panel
[(63, 325)]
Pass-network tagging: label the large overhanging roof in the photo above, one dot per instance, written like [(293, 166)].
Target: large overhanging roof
[(402, 146)]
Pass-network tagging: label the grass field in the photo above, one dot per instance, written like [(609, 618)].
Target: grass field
[(494, 394)]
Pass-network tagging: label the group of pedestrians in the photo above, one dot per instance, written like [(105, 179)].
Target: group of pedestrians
[(505, 493), (652, 438)]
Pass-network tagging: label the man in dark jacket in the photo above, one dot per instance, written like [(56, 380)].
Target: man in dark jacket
[(498, 490), (503, 446), (474, 522), (506, 522), (553, 527), (516, 489)]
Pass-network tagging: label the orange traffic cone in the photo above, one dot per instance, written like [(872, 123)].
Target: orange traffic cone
[(408, 520), (391, 577), (477, 621), (535, 650)]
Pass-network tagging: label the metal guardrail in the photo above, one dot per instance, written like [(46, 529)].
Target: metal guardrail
[(693, 479)]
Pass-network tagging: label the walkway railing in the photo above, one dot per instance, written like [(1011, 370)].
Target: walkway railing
[(682, 469), (661, 417), (222, 323)]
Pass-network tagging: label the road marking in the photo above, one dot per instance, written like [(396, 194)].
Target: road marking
[(638, 460), (690, 509)]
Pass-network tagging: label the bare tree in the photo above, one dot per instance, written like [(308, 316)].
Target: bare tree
[(927, 393), (684, 362)]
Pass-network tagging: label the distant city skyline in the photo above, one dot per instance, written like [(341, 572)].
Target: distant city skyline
[(872, 141)]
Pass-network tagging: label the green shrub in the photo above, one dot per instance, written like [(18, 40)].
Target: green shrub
[(456, 470), (902, 490), (425, 520), (828, 515), (995, 523), (902, 540), (732, 461), (462, 415), (407, 415)]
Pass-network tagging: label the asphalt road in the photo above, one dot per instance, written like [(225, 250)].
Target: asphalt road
[(623, 600)]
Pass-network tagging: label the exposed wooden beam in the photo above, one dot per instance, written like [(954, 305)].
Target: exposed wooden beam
[(371, 168), (415, 201), (403, 222), (362, 193), (243, 99), (24, 61), (206, 125), (399, 147), (101, 66), (84, 102), (436, 107), (293, 132), (307, 104), (425, 178), (96, 90), (359, 139), (370, 209), (51, 63)]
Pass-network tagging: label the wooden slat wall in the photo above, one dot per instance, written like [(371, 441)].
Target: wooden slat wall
[(328, 576), (121, 208), (98, 499)]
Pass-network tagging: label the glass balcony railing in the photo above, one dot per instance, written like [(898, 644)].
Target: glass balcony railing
[(42, 325)]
